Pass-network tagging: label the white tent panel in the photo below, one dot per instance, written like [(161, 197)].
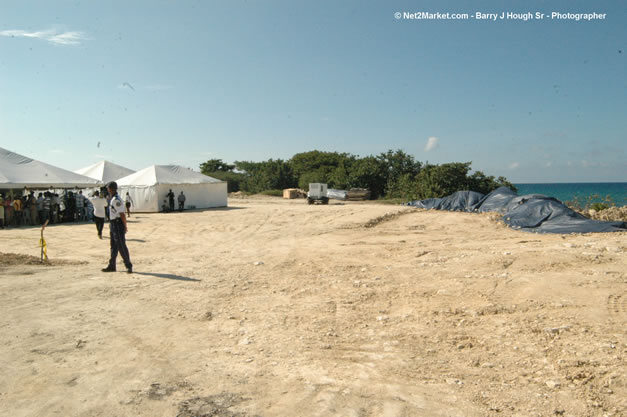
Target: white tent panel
[(149, 188), (105, 171), (152, 199), (18, 171)]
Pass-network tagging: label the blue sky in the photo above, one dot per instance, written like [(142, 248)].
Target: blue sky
[(159, 82)]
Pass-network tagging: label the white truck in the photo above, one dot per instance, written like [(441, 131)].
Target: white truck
[(317, 193)]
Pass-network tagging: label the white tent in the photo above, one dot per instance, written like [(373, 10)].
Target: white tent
[(17, 171), (105, 171), (148, 188)]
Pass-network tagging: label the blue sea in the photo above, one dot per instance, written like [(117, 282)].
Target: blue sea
[(581, 191)]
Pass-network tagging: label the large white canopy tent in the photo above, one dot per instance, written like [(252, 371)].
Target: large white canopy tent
[(18, 171), (105, 171), (148, 188)]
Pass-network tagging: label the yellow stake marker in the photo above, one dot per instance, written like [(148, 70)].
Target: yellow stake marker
[(42, 243)]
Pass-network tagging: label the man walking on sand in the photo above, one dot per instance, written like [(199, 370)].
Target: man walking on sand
[(129, 201), (117, 230), (100, 204)]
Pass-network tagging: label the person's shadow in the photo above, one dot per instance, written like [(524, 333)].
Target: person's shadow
[(167, 276)]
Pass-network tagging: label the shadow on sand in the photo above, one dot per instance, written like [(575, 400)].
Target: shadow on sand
[(167, 276), (200, 210)]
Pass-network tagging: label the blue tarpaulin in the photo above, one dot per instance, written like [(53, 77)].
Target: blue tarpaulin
[(531, 212)]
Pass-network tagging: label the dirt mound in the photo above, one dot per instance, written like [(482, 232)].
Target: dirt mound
[(12, 259), (386, 218), (212, 406), (610, 214)]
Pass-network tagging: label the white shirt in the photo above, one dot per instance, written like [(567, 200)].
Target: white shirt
[(100, 204), (116, 207)]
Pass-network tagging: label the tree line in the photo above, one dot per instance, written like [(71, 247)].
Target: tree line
[(393, 174)]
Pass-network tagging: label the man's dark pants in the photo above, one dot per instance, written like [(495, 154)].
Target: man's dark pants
[(118, 244), (99, 224)]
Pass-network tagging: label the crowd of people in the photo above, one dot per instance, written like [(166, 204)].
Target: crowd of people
[(32, 209)]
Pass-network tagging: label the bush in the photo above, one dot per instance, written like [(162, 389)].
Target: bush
[(273, 193), (599, 206), (232, 179), (594, 202)]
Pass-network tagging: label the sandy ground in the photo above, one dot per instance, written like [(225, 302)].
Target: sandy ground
[(275, 308)]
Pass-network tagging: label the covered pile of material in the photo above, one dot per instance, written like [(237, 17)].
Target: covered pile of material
[(292, 193), (532, 212)]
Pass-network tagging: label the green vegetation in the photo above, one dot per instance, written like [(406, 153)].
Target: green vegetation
[(594, 202), (273, 193), (390, 175)]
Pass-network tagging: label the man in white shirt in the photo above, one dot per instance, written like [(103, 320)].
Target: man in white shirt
[(99, 202)]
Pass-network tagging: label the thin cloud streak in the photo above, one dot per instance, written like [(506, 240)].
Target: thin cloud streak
[(52, 36)]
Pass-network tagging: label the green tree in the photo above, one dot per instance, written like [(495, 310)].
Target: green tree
[(216, 168), (435, 181), (331, 168), (368, 173), (215, 165), (400, 169), (233, 179), (267, 175), (482, 183)]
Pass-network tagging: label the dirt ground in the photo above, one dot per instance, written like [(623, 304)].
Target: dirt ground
[(272, 307)]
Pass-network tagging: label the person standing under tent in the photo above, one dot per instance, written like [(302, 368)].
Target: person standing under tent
[(99, 202), (40, 208), (17, 210), (1, 211), (89, 210), (170, 196), (181, 201), (46, 207), (129, 202), (32, 206), (117, 230), (80, 206), (8, 210)]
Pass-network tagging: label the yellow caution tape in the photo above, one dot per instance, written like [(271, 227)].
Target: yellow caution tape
[(44, 248)]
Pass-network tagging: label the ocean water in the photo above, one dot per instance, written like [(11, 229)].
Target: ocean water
[(579, 190)]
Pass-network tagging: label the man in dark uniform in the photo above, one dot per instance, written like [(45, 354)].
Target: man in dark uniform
[(170, 196), (117, 230)]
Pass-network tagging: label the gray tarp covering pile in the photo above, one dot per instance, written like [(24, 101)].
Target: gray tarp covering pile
[(337, 194), (531, 212)]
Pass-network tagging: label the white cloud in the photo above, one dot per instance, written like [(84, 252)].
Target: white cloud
[(514, 165), (56, 151), (53, 36), (432, 143)]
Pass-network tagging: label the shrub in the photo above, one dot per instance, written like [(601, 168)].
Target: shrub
[(273, 193)]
